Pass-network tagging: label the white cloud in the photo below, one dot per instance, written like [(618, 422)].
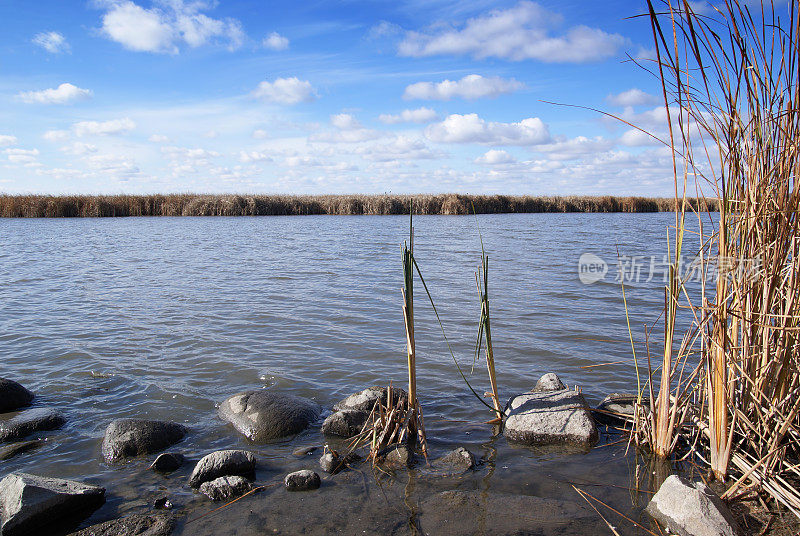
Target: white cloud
[(636, 138), (22, 156), (518, 33), (79, 148), (6, 139), (162, 30), (105, 128), (473, 86), (56, 135), (494, 157), (275, 41), (111, 164), (632, 97), (355, 135), (211, 134), (420, 115), (63, 94), (285, 91), (345, 122), (573, 148), (470, 128), (260, 134), (53, 42), (159, 138), (401, 148), (302, 161), (253, 156), (185, 153)]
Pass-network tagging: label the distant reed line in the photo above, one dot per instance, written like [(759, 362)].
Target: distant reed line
[(96, 206)]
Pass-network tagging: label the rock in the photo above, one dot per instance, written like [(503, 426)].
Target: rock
[(459, 460), (225, 488), (302, 480), (365, 400), (691, 509), (550, 417), (345, 423), (31, 503), (223, 463), (265, 415), (168, 462), (617, 408), (13, 396), (549, 382), (302, 452), (9, 451), (126, 438), (331, 462), (397, 455), (29, 422), (163, 503), (132, 525)]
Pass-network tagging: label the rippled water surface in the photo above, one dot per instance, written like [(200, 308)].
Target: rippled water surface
[(165, 317)]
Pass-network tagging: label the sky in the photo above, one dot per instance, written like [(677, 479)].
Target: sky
[(319, 97)]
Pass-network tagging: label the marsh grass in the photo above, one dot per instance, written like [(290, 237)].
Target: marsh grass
[(73, 206)]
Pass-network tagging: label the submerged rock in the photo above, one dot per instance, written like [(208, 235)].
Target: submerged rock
[(617, 408), (397, 455), (691, 509), (365, 400), (127, 438), (459, 460), (302, 452), (304, 480), (345, 423), (550, 417), (331, 462), (223, 463), (549, 382), (225, 488), (132, 525), (265, 415), (13, 396), (9, 451), (168, 462), (29, 422), (32, 504)]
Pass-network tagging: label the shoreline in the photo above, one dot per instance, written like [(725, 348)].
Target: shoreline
[(94, 206)]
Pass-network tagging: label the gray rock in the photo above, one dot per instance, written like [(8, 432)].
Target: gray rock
[(30, 504), (549, 382), (127, 438), (398, 455), (618, 408), (168, 462), (29, 422), (223, 463), (302, 452), (302, 480), (459, 460), (225, 488), (691, 509), (13, 396), (265, 415), (331, 462), (365, 400), (550, 417), (345, 423), (132, 525), (9, 451)]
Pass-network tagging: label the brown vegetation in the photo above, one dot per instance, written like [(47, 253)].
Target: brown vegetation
[(100, 206)]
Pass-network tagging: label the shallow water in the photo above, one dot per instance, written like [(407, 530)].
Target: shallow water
[(163, 318)]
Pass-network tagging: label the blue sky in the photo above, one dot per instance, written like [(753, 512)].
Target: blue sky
[(144, 96)]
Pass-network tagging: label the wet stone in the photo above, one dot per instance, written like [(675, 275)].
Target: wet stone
[(304, 480), (168, 462), (13, 396), (128, 438), (225, 488), (265, 415), (223, 463), (31, 421)]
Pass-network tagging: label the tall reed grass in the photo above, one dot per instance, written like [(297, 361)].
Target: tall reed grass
[(42, 206), (731, 84)]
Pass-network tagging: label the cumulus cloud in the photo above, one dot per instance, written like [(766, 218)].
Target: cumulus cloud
[(63, 94), (420, 115), (79, 148), (470, 128), (495, 156), (260, 134), (275, 41), (7, 139), (22, 156), (56, 135), (285, 91), (104, 128), (632, 97), (345, 122), (158, 138), (186, 153), (401, 148), (573, 148), (522, 32), (473, 86), (248, 157), (52, 42), (163, 28)]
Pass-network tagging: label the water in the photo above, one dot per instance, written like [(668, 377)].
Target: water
[(164, 318)]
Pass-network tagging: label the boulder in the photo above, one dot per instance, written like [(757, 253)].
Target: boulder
[(365, 400), (459, 460), (13, 396), (691, 509), (617, 408), (223, 463), (168, 462), (345, 423), (132, 525), (331, 462), (29, 422), (549, 382), (550, 417), (127, 438), (31, 504), (397, 455), (265, 415), (225, 488), (304, 480), (11, 450)]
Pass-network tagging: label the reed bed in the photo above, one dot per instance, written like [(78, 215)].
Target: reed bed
[(729, 387), (73, 206)]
